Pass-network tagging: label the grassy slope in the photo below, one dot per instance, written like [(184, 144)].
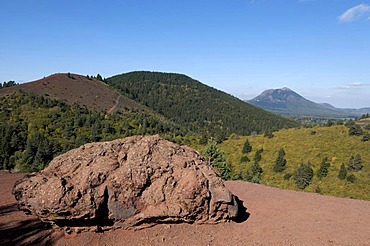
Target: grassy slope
[(301, 146)]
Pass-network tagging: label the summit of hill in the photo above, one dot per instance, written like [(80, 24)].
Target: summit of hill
[(199, 107), (86, 91)]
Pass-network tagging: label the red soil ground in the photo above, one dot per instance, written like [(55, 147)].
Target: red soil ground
[(275, 217), (89, 93)]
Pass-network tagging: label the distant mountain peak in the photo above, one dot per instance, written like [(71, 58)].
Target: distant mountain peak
[(287, 102)]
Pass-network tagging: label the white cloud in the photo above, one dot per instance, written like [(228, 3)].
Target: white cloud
[(357, 84), (353, 85), (355, 13)]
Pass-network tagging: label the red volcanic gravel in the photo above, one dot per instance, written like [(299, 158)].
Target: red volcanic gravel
[(275, 217)]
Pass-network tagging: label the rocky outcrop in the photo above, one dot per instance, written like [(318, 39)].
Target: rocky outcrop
[(127, 183)]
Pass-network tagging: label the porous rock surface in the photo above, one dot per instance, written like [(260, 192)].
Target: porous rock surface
[(127, 183)]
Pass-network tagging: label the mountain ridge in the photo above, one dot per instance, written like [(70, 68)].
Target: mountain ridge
[(285, 101)]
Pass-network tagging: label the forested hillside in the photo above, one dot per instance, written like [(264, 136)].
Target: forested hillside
[(196, 106), (34, 129), (331, 160)]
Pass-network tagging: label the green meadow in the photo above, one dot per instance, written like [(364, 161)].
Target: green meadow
[(306, 145)]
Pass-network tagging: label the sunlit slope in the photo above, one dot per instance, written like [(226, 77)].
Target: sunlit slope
[(195, 105), (308, 145)]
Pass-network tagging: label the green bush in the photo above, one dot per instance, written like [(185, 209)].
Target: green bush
[(351, 178), (280, 162), (365, 137), (324, 168), (288, 176), (342, 172), (303, 176), (355, 163)]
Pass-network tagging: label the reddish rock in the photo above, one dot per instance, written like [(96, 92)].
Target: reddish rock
[(127, 183)]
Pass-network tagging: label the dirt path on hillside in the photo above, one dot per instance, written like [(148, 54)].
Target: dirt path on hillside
[(276, 217), (113, 109)]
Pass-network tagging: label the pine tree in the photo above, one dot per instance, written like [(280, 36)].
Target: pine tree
[(355, 163), (280, 163), (216, 158), (342, 172), (247, 148), (254, 173), (99, 77), (257, 156), (244, 159), (324, 168), (303, 176)]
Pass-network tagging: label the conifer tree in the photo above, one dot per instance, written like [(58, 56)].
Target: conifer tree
[(280, 163), (254, 173), (324, 168), (216, 158), (99, 77), (355, 163), (257, 156), (342, 172), (247, 148), (303, 176)]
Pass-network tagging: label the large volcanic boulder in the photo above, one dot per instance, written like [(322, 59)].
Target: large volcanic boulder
[(130, 183)]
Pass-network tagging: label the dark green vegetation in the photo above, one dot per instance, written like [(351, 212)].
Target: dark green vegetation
[(34, 129), (280, 162), (216, 158), (313, 162), (303, 176), (324, 168), (7, 84), (197, 107)]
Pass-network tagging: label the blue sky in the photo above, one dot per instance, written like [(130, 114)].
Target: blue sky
[(319, 48)]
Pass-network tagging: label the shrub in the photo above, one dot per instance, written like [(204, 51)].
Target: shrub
[(351, 178), (342, 172), (366, 137), (216, 158), (355, 163), (247, 147), (244, 159), (355, 130), (303, 176), (288, 176), (324, 168), (254, 173), (280, 162)]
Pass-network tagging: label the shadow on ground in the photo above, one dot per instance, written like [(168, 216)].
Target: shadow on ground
[(243, 215), (27, 232)]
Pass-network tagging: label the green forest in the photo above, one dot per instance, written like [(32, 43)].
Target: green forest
[(34, 129), (195, 106)]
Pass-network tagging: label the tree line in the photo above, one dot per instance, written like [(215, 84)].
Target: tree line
[(7, 84), (35, 129)]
